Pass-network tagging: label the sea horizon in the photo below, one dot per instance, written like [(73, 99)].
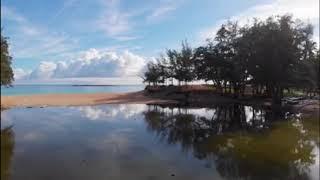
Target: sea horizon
[(34, 89)]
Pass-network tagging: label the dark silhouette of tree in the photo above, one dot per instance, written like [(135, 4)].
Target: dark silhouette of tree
[(209, 66), (269, 56), (6, 60), (153, 74), (185, 63), (181, 64), (174, 72), (275, 53)]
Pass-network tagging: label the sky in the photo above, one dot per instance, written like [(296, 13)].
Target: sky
[(111, 41)]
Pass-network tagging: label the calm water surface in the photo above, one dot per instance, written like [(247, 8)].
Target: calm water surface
[(58, 89), (139, 142)]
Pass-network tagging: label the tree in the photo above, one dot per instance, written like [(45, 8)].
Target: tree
[(174, 69), (275, 53), (153, 74), (6, 60), (182, 64), (186, 64), (208, 66), (228, 50), (271, 55)]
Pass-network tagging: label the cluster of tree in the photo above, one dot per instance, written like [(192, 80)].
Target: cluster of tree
[(270, 56), (6, 60)]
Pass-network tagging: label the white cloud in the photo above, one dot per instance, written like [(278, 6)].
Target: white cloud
[(91, 63), (126, 38), (44, 71), (31, 41), (307, 11), (10, 14), (114, 22), (120, 24), (163, 10), (20, 73), (160, 12), (66, 4)]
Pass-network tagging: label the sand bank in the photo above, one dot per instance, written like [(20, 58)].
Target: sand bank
[(79, 99)]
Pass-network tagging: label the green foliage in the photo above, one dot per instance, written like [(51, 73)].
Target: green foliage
[(185, 67), (6, 60), (270, 55)]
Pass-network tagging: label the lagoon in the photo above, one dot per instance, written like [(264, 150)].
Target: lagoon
[(137, 141)]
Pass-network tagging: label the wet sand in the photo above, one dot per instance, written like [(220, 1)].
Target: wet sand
[(79, 99)]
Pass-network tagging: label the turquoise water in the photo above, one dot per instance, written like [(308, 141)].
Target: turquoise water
[(61, 89)]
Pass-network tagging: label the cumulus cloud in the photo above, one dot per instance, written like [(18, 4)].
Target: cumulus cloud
[(307, 11), (20, 73), (91, 63), (44, 71)]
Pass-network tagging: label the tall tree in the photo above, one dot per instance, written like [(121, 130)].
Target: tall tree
[(6, 60), (228, 50), (174, 67), (275, 53), (272, 55), (186, 64), (181, 63)]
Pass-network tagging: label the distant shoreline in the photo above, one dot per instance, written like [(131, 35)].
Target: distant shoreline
[(93, 85), (75, 85)]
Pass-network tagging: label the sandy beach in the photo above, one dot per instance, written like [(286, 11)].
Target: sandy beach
[(79, 99), (310, 107)]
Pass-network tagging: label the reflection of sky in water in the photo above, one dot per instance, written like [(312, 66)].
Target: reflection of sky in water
[(105, 142), (106, 113)]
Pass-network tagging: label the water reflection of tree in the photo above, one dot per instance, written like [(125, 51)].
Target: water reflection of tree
[(7, 146), (226, 138)]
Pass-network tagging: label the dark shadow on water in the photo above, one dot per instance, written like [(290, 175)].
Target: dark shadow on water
[(7, 147), (242, 142)]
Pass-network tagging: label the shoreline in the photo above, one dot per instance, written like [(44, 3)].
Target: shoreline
[(308, 107), (43, 100)]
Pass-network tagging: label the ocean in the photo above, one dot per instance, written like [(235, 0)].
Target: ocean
[(63, 89)]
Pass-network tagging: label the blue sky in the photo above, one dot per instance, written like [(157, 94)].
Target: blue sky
[(67, 39)]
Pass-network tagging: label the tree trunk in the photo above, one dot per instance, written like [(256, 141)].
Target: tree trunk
[(277, 96)]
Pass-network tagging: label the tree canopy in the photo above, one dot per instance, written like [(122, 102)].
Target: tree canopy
[(6, 60), (268, 55)]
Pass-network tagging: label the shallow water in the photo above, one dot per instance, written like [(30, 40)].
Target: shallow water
[(153, 142)]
